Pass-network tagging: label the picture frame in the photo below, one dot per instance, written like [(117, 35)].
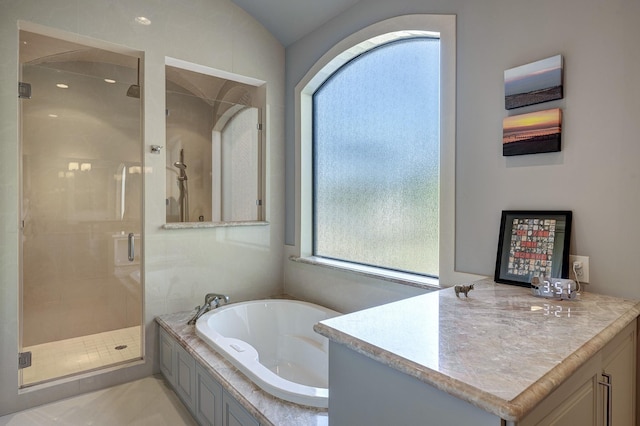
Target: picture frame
[(534, 83), (533, 243), (532, 133)]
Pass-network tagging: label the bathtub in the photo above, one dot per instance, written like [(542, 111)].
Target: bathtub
[(273, 343)]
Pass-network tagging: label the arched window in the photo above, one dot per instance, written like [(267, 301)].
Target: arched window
[(376, 145), (375, 138)]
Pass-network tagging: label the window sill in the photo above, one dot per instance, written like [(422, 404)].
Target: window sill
[(427, 283)]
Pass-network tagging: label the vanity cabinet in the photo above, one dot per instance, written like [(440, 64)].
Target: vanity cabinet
[(204, 396), (601, 392), (499, 358)]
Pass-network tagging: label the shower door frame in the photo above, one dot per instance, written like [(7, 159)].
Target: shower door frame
[(140, 159)]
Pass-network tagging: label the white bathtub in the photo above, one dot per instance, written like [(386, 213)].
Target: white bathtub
[(273, 343)]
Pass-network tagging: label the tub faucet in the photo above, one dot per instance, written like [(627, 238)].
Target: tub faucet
[(211, 301)]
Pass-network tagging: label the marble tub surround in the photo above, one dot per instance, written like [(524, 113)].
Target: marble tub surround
[(500, 349), (203, 225), (268, 409)]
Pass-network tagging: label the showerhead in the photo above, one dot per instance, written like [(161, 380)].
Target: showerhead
[(180, 165), (134, 91)]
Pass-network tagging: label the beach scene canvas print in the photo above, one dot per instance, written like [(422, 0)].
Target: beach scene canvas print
[(532, 133), (533, 83)]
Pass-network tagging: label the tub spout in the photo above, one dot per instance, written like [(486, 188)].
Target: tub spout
[(211, 301), (201, 311)]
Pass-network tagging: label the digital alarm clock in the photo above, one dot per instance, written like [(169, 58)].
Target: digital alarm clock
[(555, 288)]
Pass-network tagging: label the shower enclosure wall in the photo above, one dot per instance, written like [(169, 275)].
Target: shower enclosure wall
[(81, 209)]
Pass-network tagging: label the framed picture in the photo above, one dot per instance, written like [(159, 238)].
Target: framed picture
[(533, 83), (531, 244), (532, 133)]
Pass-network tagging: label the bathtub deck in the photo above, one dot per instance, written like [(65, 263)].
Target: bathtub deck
[(268, 409)]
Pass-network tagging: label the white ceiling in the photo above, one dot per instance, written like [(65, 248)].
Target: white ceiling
[(290, 20)]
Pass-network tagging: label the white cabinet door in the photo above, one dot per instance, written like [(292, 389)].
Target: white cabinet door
[(208, 399), (167, 358), (580, 408), (185, 377), (619, 366), (583, 399), (234, 415)]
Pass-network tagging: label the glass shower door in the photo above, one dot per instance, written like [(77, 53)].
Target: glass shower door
[(82, 292)]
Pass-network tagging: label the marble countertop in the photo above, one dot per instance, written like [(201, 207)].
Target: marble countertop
[(480, 349), (268, 409)]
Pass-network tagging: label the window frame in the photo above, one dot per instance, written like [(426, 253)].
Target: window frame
[(407, 26)]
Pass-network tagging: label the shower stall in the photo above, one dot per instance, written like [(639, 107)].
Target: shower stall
[(81, 209)]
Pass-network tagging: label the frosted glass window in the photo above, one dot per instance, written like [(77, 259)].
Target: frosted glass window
[(376, 145)]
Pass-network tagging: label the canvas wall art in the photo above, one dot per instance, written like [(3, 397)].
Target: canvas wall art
[(532, 133), (533, 83)]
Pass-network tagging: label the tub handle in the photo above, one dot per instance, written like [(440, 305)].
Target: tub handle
[(132, 248)]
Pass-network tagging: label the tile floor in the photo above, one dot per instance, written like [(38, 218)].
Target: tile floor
[(70, 356), (148, 401)]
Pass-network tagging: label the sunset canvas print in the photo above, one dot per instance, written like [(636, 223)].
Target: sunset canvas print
[(532, 133), (533, 83)]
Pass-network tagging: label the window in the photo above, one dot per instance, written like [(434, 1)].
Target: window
[(391, 214), (375, 148)]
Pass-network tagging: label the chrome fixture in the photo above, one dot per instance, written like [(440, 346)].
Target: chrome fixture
[(131, 251), (183, 199), (211, 301), (24, 90)]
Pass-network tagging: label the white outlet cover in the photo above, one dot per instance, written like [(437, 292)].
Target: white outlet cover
[(585, 267)]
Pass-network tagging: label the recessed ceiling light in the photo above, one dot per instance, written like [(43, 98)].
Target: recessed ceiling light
[(62, 86), (53, 115), (109, 80), (142, 20)]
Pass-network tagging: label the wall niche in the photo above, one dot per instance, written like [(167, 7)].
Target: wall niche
[(214, 147)]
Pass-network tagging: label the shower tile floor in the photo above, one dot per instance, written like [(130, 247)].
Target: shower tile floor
[(147, 401), (79, 354)]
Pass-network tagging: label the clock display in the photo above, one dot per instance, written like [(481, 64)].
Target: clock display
[(555, 288)]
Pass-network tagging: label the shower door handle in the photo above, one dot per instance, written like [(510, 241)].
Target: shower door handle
[(132, 248)]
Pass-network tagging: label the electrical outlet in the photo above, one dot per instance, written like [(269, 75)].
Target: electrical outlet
[(583, 272)]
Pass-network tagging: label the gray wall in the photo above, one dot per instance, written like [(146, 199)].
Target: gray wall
[(595, 175)]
